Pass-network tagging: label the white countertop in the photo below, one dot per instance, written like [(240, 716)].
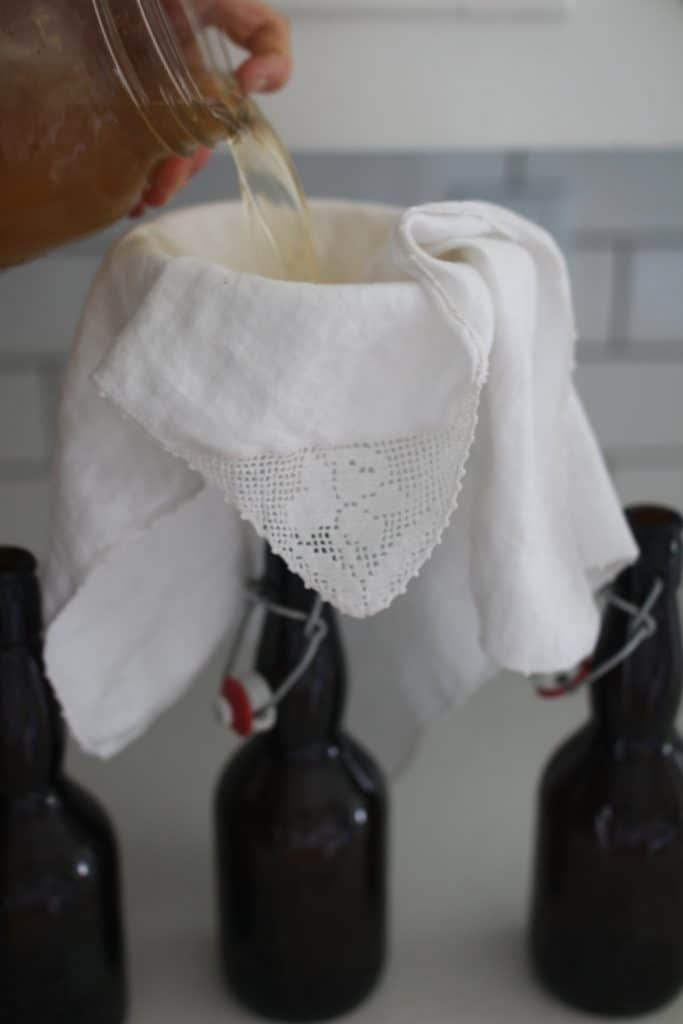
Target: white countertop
[(461, 849)]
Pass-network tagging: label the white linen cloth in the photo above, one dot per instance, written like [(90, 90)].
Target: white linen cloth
[(337, 419)]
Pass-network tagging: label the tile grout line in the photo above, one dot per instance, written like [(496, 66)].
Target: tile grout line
[(515, 172), (621, 286)]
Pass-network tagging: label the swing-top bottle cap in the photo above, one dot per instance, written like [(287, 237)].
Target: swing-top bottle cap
[(21, 619), (657, 531)]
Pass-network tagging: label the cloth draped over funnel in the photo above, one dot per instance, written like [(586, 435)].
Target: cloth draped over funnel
[(406, 434)]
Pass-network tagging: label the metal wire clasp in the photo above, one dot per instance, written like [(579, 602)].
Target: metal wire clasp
[(642, 626), (315, 630), (243, 702)]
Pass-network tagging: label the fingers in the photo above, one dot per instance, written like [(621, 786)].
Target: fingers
[(256, 27), (169, 177), (266, 72), (200, 160)]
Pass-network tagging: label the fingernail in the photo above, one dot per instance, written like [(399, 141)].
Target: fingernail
[(259, 85)]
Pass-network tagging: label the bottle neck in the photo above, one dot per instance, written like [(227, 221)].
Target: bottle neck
[(181, 85), (31, 728), (31, 731), (311, 714), (635, 705)]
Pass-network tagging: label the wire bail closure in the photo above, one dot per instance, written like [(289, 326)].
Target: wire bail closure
[(642, 626), (235, 702)]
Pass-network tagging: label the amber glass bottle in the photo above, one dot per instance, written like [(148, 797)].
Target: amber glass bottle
[(301, 819), (607, 921), (61, 946), (96, 93)]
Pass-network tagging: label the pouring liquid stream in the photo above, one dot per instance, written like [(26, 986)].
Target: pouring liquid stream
[(272, 194)]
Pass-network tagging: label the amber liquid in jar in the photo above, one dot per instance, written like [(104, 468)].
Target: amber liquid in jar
[(94, 95)]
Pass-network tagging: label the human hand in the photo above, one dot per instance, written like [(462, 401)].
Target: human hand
[(265, 34)]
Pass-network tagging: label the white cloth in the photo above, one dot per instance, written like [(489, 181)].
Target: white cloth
[(337, 419)]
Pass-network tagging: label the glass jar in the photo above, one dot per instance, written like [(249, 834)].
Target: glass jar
[(95, 94)]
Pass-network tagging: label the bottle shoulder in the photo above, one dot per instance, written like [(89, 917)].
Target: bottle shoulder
[(58, 841), (84, 809), (263, 774), (589, 784), (590, 747), (64, 810), (569, 759)]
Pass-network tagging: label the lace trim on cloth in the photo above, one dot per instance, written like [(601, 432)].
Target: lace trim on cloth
[(357, 522)]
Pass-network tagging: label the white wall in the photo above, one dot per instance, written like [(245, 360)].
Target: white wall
[(609, 74)]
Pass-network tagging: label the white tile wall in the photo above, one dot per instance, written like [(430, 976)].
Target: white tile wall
[(442, 175), (362, 177), (22, 424), (634, 404), (656, 304), (592, 275), (621, 193), (662, 486), (401, 178), (41, 302), (24, 513)]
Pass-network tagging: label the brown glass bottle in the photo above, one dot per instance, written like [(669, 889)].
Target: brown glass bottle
[(61, 946), (301, 820), (607, 920)]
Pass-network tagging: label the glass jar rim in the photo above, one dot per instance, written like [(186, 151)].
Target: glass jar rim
[(184, 91)]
